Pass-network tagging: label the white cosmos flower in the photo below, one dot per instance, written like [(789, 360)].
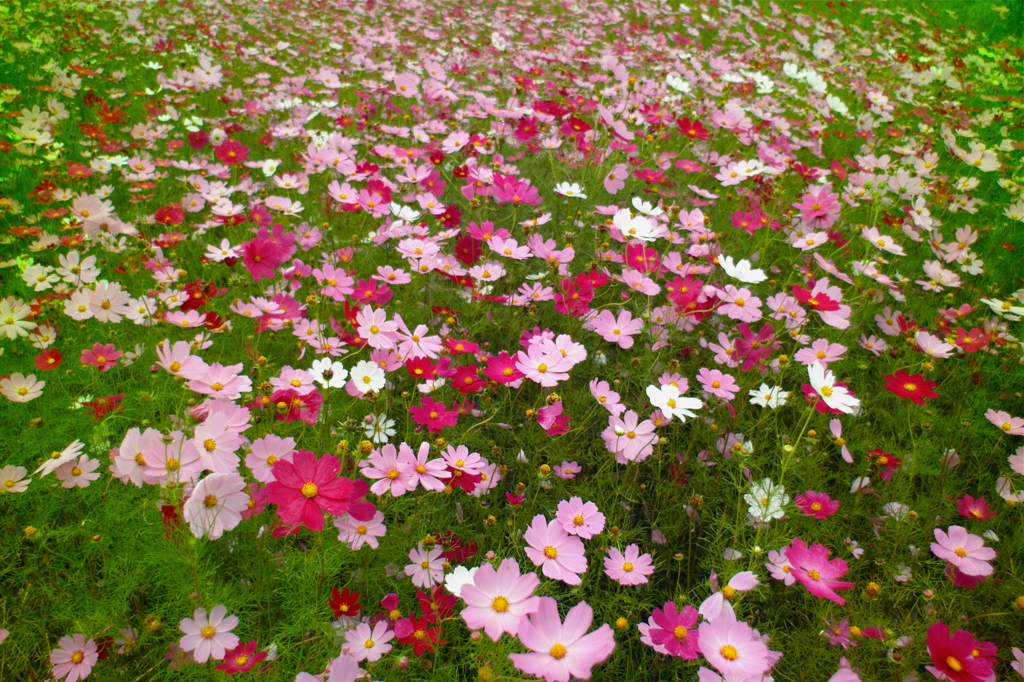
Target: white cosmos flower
[(329, 373), (677, 83), (573, 190), (836, 105), (367, 376), (766, 500), (454, 581), (635, 228), (742, 270), (836, 397), (646, 207), (404, 212), (668, 399), (767, 396)]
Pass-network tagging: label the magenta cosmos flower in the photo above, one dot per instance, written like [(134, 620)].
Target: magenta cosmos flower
[(241, 659), (562, 650), (818, 505), (305, 487), (559, 554), (673, 631), (73, 658), (499, 600), (965, 551), (813, 569), (102, 356), (629, 567), (209, 637)]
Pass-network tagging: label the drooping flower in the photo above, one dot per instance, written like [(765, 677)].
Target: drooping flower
[(815, 571), (562, 650)]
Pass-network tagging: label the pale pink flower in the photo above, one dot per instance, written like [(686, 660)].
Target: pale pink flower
[(559, 555), (427, 567), (580, 518), (739, 304), (562, 650), (78, 473), (619, 328), (264, 452), (369, 644), (221, 381), (965, 551), (498, 600), (629, 568), (209, 637), (216, 505), (73, 658)]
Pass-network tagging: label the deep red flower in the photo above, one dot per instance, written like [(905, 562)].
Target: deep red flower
[(692, 129), (49, 359), (241, 659), (466, 379), (231, 152), (438, 604), (172, 214), (911, 386), (954, 656), (417, 631), (101, 407), (344, 603)]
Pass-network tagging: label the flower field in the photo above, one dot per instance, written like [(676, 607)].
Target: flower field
[(385, 340)]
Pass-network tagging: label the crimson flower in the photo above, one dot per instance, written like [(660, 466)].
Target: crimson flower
[(974, 509), (417, 631), (231, 152), (954, 657), (241, 659), (49, 359), (344, 603), (692, 129), (819, 302), (305, 487), (911, 386), (100, 407), (433, 415)]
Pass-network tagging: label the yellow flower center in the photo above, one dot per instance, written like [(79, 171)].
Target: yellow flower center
[(310, 490), (679, 632), (729, 652), (550, 552), (210, 501), (816, 506), (393, 474), (627, 567), (217, 386), (558, 651), (813, 575), (208, 632), (578, 520), (175, 366), (728, 591), (961, 552), (500, 604), (953, 664), (210, 444), (76, 472), (77, 657), (826, 391), (241, 660), (910, 387), (172, 464)]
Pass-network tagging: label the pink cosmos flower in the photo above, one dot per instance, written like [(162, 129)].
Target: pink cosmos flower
[(567, 470), (580, 518), (420, 470), (672, 631), (358, 533), (713, 606), (629, 439), (562, 650), (241, 659), (718, 383), (821, 351), (178, 360), (545, 368), (78, 473), (560, 555), (608, 398), (216, 505), (499, 600), (813, 569), (629, 568), (265, 452), (959, 657), (965, 551), (427, 567), (306, 487), (617, 329), (73, 658), (216, 443), (101, 355), (209, 637), (780, 567), (739, 304), (382, 466), (818, 505), (616, 178), (732, 646), (369, 644), (219, 381), (1013, 426)]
